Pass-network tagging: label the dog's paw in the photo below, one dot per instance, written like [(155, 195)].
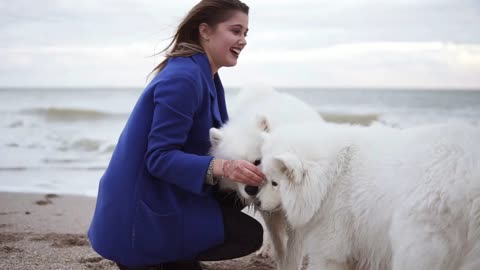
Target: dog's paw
[(265, 251)]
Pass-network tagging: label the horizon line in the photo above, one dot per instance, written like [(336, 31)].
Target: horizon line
[(92, 87)]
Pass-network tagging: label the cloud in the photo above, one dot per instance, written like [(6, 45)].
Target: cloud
[(380, 64), (312, 23), (423, 43), (84, 66)]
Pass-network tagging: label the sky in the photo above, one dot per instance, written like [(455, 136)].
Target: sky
[(301, 43)]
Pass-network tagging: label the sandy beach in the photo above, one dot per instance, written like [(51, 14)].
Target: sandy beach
[(48, 231)]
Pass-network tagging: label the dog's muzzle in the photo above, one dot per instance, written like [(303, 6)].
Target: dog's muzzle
[(251, 190)]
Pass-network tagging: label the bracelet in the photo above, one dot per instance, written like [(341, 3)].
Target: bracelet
[(209, 179), (223, 169)]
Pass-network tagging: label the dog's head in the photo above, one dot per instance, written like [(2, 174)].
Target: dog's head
[(279, 170), (242, 140), (300, 172), (284, 186)]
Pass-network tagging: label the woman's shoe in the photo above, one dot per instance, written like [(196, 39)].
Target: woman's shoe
[(182, 265)]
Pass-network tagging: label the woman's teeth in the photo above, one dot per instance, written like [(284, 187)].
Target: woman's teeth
[(235, 51)]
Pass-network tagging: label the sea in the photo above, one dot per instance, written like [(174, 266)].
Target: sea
[(60, 140)]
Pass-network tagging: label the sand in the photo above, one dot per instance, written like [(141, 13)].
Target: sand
[(48, 231)]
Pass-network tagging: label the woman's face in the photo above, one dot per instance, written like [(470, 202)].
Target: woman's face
[(224, 42)]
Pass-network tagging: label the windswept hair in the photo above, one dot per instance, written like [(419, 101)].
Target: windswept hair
[(186, 41)]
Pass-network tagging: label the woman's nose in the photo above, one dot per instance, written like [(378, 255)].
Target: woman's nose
[(243, 41)]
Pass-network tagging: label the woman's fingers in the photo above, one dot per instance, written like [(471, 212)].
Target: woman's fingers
[(244, 172), (253, 176), (250, 174)]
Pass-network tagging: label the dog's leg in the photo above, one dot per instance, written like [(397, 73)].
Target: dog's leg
[(266, 250), (275, 223), (471, 264), (415, 248), (421, 253), (293, 258), (323, 264)]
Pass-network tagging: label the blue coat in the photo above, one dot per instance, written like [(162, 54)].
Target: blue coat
[(152, 204)]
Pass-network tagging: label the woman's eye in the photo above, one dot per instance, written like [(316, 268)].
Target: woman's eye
[(257, 162), (274, 183)]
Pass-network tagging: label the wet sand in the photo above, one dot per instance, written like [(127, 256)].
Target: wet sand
[(48, 231)]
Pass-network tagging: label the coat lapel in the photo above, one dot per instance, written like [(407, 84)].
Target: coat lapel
[(215, 88), (220, 97), (214, 101)]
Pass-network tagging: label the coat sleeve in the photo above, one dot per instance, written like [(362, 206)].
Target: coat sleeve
[(176, 101)]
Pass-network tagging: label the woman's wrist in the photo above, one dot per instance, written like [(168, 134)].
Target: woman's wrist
[(218, 167)]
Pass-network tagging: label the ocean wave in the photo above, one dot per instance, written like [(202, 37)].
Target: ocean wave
[(12, 145), (71, 114), (348, 118), (74, 160), (13, 169), (16, 124), (85, 145), (109, 149)]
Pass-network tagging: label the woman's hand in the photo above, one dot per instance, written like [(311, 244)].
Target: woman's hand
[(242, 171)]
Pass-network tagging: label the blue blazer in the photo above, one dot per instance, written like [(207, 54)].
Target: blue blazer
[(152, 204)]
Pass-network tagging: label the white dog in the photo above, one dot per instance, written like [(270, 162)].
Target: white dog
[(240, 138), (376, 197)]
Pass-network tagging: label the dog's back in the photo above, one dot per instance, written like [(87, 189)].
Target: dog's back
[(394, 199)]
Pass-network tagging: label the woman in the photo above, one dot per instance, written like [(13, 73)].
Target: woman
[(157, 201)]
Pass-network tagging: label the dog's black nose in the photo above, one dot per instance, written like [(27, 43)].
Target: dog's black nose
[(251, 190)]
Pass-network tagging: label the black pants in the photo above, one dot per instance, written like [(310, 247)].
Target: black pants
[(243, 234)]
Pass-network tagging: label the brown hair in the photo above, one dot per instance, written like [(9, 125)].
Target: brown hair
[(186, 40)]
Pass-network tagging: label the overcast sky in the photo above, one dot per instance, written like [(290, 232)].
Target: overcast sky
[(312, 43)]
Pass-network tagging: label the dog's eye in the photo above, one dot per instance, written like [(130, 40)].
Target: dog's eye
[(274, 183), (257, 162)]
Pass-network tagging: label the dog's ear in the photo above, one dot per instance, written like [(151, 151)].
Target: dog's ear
[(289, 165), (296, 195), (216, 136), (263, 124)]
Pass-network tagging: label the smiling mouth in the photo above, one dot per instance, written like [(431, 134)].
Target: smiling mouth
[(235, 52)]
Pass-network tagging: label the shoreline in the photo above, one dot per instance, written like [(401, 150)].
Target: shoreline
[(48, 231)]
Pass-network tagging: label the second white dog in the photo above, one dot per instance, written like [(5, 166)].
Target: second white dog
[(378, 197)]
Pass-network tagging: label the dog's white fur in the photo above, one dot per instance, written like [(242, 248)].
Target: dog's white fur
[(240, 138), (377, 197)]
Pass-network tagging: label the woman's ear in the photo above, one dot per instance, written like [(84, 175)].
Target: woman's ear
[(204, 31)]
